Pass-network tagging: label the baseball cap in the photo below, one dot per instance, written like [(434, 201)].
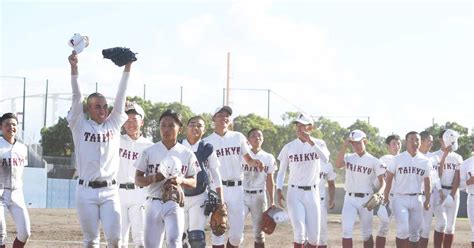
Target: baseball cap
[(223, 108), (133, 107), (304, 119), (450, 137), (357, 135), (78, 42)]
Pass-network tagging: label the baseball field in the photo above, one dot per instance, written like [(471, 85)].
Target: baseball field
[(60, 228)]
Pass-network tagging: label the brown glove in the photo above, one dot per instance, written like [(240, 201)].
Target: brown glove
[(268, 223), (374, 201), (219, 220), (173, 192)]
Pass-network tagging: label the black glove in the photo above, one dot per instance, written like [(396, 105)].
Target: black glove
[(119, 55), (212, 202)]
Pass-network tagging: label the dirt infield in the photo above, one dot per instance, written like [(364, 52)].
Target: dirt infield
[(60, 228)]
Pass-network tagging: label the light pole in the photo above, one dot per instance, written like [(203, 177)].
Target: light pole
[(24, 98)]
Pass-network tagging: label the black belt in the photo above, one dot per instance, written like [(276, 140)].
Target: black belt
[(253, 191), (153, 198), (413, 194), (231, 183), (128, 186), (322, 198), (98, 184), (360, 195), (304, 187), (446, 187)]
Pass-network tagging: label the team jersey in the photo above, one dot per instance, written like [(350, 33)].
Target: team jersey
[(327, 174), (96, 145), (255, 178), (434, 176), (361, 171), (303, 161), (230, 150), (14, 158), (451, 165), (149, 161), (409, 173), (467, 171), (387, 160), (129, 151), (211, 164)]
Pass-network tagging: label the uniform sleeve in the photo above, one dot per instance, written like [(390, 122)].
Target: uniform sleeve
[(193, 166), (331, 173), (76, 113), (244, 145), (214, 165), (142, 161), (321, 149), (392, 167), (379, 167), (118, 115), (429, 167), (283, 157), (272, 167), (459, 162)]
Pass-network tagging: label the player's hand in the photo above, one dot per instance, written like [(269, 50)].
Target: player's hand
[(331, 204), (258, 164), (281, 198), (176, 180), (73, 59), (386, 201), (158, 177), (441, 196), (426, 204), (470, 181), (447, 150)]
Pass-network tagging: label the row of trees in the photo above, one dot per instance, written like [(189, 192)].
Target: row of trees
[(57, 140)]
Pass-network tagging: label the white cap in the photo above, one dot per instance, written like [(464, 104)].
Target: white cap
[(223, 108), (78, 42), (357, 135), (304, 119), (170, 167), (450, 138), (134, 107)]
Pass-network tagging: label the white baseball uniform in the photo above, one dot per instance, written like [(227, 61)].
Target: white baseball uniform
[(132, 197), (445, 217), (230, 150), (161, 217), (327, 174), (14, 157), (434, 199), (382, 210), (467, 172), (361, 171), (97, 163), (407, 189), (303, 200), (255, 199), (195, 220)]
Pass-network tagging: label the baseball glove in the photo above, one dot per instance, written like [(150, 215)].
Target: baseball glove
[(119, 55), (374, 201), (219, 220), (173, 192), (212, 202), (268, 223)]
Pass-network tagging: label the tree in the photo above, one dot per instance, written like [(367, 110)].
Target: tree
[(57, 139), (154, 117), (244, 124), (464, 140), (376, 144)]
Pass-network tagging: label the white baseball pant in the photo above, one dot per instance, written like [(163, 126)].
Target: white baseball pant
[(323, 233), (194, 213), (445, 217), (470, 213), (350, 209), (133, 215), (160, 218), (96, 206), (408, 213), (256, 204), (384, 221), (234, 199), (428, 215), (13, 201), (304, 210)]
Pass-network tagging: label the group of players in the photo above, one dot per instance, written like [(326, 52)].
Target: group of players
[(120, 185)]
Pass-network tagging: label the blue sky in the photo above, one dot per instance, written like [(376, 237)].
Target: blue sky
[(402, 63)]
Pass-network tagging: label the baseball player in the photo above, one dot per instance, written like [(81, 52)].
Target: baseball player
[(132, 197), (393, 146), (195, 219), (467, 181), (232, 151), (303, 157), (160, 216), (96, 143), (14, 157), (327, 175), (445, 214), (256, 183), (406, 176), (361, 170), (437, 194)]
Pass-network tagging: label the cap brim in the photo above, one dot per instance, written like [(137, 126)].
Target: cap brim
[(302, 122), (225, 108)]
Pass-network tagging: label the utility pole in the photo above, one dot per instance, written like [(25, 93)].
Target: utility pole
[(228, 79), (144, 92), (181, 98), (45, 104)]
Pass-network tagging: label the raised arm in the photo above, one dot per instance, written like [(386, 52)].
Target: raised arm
[(76, 105), (340, 157), (119, 104)]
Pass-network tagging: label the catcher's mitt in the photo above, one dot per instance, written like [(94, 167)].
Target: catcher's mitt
[(268, 223), (219, 220), (374, 201), (173, 192), (119, 55)]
